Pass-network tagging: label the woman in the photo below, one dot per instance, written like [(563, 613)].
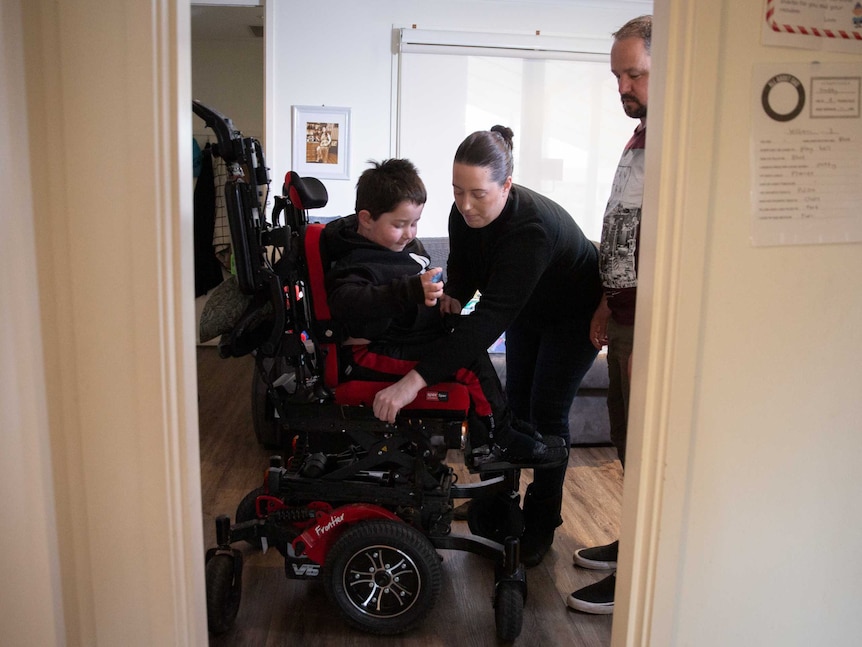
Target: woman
[(539, 282)]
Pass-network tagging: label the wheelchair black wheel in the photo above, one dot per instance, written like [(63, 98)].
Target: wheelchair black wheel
[(384, 576), (495, 517), (224, 590), (247, 510), (508, 611), (267, 427)]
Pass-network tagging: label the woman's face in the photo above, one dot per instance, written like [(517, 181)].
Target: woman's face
[(479, 199)]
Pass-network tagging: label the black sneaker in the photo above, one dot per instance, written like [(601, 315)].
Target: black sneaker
[(596, 598), (598, 557), (478, 455), (505, 458), (534, 546), (551, 441), (524, 427)]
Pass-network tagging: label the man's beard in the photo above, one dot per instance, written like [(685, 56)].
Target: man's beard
[(632, 107)]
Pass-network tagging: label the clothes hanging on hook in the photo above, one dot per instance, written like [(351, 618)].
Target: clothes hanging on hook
[(197, 155), (207, 267), (221, 240)]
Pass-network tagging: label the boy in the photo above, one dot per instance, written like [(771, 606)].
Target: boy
[(382, 290)]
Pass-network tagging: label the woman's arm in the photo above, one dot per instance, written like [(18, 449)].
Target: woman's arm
[(461, 279), (514, 264)]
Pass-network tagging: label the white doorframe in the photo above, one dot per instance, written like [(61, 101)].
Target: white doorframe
[(685, 57), (108, 129)]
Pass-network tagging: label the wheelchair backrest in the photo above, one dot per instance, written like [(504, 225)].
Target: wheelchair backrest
[(327, 332), (246, 192)]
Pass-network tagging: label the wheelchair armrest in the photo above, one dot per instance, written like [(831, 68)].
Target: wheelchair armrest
[(445, 398)]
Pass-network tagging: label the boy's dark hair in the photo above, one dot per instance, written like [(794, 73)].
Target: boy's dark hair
[(387, 184)]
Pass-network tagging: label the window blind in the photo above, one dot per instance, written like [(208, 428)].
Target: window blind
[(557, 94)]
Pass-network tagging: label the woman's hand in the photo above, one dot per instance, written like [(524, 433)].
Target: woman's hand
[(389, 401), (599, 324), (449, 306), (432, 286)]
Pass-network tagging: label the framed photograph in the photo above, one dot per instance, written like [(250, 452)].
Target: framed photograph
[(321, 142)]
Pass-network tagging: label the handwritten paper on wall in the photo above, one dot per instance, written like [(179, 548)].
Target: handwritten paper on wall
[(834, 25), (806, 149)]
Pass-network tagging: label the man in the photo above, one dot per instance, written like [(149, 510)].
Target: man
[(613, 322)]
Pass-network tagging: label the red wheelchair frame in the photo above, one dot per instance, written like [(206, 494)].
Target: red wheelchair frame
[(360, 504)]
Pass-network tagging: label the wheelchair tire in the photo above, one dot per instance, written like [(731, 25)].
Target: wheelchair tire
[(495, 517), (246, 511), (224, 590), (267, 427), (508, 611), (384, 576)]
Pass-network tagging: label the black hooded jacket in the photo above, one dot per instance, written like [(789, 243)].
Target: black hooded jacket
[(376, 293)]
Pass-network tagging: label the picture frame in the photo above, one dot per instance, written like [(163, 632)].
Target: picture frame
[(321, 142)]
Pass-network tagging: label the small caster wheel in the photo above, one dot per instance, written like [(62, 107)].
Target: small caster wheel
[(508, 611), (224, 590)]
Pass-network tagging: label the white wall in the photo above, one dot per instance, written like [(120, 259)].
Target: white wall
[(227, 76), (747, 378), (341, 54)]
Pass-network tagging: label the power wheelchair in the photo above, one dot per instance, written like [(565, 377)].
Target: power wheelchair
[(355, 502)]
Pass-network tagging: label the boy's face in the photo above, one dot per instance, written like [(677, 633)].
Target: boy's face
[(393, 229)]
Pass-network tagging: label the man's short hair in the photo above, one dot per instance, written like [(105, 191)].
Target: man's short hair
[(640, 27)]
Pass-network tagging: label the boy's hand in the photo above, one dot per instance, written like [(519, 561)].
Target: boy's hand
[(432, 286), (389, 401)]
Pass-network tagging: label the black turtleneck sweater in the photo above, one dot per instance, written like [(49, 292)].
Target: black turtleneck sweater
[(532, 264)]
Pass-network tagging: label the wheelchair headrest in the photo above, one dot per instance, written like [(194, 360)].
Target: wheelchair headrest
[(304, 192)]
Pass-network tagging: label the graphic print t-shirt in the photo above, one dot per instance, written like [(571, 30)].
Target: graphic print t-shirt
[(621, 231)]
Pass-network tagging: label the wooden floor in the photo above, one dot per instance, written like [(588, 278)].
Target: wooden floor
[(279, 611)]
